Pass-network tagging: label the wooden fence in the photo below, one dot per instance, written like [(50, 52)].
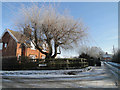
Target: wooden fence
[(65, 63)]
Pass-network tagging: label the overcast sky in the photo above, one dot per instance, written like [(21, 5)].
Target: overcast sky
[(100, 18)]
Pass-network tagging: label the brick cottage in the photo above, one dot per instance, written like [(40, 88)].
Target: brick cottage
[(17, 44)]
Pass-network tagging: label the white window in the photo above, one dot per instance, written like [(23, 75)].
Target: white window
[(44, 47), (19, 56), (5, 45), (43, 57), (32, 56), (33, 47)]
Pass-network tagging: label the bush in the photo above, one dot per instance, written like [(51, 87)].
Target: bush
[(91, 62), (116, 57), (66, 63), (24, 63), (10, 63)]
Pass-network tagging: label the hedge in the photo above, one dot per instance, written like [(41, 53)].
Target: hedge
[(24, 63)]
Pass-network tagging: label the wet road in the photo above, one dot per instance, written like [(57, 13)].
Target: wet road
[(97, 77)]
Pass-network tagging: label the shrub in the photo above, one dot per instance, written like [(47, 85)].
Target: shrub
[(66, 63), (116, 57), (30, 64), (9, 63), (26, 63)]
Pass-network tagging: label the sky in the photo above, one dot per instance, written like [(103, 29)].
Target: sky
[(101, 18)]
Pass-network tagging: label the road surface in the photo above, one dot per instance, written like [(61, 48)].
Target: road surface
[(97, 77)]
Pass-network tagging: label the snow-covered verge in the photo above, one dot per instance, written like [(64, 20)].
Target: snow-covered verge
[(114, 64), (96, 77), (73, 74), (32, 73), (112, 67), (115, 72)]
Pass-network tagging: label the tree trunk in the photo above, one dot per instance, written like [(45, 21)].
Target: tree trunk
[(49, 54), (55, 53)]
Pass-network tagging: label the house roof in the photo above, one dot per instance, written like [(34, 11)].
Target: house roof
[(107, 55), (19, 37)]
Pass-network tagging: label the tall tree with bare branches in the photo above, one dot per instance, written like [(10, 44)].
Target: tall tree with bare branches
[(46, 25), (95, 52)]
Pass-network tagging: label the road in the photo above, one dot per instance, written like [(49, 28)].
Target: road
[(97, 77)]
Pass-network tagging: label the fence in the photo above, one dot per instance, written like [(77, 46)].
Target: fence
[(67, 63)]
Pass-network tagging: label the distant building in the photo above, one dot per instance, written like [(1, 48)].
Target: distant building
[(107, 57), (16, 44)]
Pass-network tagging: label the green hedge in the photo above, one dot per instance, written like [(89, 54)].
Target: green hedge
[(12, 63), (116, 57), (24, 63), (66, 63), (9, 63)]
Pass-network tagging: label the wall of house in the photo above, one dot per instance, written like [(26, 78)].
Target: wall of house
[(29, 52), (14, 49), (10, 43), (35, 52), (18, 51)]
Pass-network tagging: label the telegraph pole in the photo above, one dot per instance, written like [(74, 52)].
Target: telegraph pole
[(113, 50)]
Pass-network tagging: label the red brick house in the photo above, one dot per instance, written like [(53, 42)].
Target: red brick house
[(107, 57), (16, 44)]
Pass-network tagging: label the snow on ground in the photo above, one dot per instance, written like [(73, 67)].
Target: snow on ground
[(114, 64), (42, 72), (96, 77)]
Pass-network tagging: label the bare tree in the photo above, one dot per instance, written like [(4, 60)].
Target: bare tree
[(116, 56), (95, 52), (46, 25)]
